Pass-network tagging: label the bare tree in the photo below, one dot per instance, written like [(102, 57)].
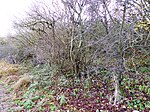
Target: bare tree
[(83, 32)]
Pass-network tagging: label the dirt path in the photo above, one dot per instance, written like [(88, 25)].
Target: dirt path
[(5, 98), (6, 102)]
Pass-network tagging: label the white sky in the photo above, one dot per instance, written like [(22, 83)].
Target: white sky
[(9, 9)]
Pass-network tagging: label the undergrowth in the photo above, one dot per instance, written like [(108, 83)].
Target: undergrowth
[(51, 94), (50, 91)]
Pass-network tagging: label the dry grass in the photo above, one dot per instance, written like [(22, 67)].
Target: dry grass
[(7, 69), (24, 81), (9, 73)]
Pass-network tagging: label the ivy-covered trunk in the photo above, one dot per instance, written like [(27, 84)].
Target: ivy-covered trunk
[(117, 95), (117, 92)]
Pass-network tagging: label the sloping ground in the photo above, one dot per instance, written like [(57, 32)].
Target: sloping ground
[(64, 96), (7, 74), (6, 102), (85, 95)]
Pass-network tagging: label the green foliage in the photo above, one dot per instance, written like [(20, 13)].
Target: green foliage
[(29, 93), (145, 89), (33, 99), (63, 100), (42, 74), (53, 107), (137, 104), (147, 104), (144, 69), (30, 97), (103, 72), (87, 84), (101, 95), (29, 104)]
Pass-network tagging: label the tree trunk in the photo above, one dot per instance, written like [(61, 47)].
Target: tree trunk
[(117, 92)]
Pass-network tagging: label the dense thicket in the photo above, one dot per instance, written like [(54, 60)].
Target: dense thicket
[(80, 37)]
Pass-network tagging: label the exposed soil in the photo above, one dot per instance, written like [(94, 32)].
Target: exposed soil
[(5, 99)]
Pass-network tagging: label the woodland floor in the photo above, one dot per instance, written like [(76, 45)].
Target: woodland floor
[(6, 96), (4, 105), (81, 97), (6, 99), (6, 102)]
